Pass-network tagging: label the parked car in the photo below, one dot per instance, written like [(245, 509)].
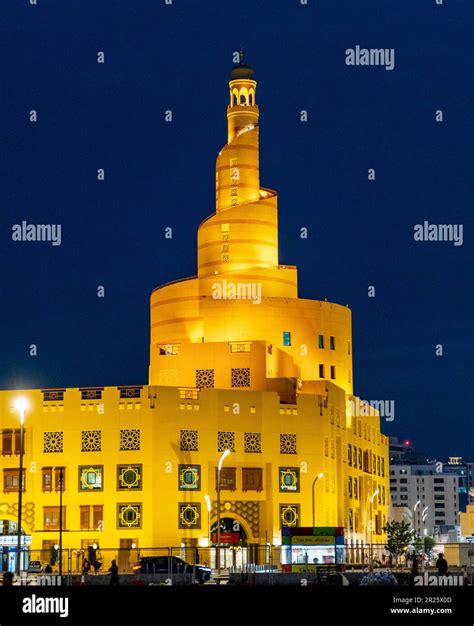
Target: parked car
[(37, 567), (171, 565)]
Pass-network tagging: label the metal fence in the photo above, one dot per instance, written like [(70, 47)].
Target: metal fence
[(250, 558)]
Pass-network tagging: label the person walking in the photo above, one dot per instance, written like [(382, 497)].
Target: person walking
[(414, 570), (114, 575), (442, 565)]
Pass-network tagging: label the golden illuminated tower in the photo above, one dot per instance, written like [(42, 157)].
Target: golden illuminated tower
[(241, 292)]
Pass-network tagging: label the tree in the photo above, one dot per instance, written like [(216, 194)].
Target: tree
[(399, 536), (429, 543)]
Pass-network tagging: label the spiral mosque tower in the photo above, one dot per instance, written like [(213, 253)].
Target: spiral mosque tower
[(241, 292)]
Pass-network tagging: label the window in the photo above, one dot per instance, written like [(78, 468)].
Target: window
[(350, 486), (356, 488), (97, 517), (321, 370), (129, 477), (169, 350), (227, 479), (366, 462), (47, 478), (188, 440), (57, 478), (349, 454), (130, 439), (129, 392), (225, 441), (51, 517), (289, 479), (289, 515), (403, 480), (242, 346), (205, 379), (360, 458), (7, 442), (240, 377), (11, 441), (332, 345), (253, 442), (91, 441), (286, 338), (91, 478), (11, 480), (438, 480), (333, 372), (189, 515), (84, 517), (53, 441), (287, 443), (252, 479), (439, 505), (129, 515), (189, 477), (320, 341)]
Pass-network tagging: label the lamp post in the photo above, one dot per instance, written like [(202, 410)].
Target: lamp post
[(371, 524), (209, 506), (61, 479), (219, 467), (320, 475), (20, 405)]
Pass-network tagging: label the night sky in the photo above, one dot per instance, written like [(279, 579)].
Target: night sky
[(160, 174)]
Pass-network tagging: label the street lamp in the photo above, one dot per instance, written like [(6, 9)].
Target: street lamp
[(219, 467), (320, 475), (20, 405), (61, 480), (371, 524), (209, 507), (424, 530)]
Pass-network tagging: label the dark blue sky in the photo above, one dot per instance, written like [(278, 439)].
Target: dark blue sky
[(161, 174)]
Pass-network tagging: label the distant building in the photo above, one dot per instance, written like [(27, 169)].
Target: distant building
[(430, 496)]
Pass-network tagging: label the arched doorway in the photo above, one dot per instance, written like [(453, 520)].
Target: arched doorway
[(9, 544), (234, 536)]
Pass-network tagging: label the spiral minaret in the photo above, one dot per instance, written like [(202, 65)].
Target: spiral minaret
[(238, 254)]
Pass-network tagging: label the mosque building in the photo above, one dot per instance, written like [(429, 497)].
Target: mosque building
[(238, 363)]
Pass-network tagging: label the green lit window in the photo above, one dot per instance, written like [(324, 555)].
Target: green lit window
[(91, 478), (189, 477), (129, 477), (321, 341), (189, 515), (286, 338), (289, 479), (129, 515), (332, 343)]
